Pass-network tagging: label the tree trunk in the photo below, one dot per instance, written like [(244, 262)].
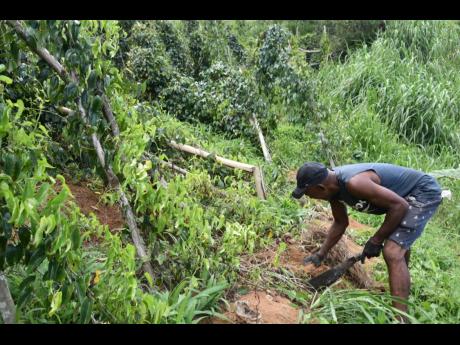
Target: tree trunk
[(7, 308)]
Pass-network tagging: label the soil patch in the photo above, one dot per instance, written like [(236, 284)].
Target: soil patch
[(260, 307), (90, 202), (359, 274), (357, 225)]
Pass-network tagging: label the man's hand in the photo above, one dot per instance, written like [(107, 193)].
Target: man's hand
[(371, 249), (316, 259)]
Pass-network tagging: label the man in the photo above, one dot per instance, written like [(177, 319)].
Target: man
[(408, 197)]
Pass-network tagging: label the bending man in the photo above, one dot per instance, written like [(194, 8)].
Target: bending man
[(408, 197)]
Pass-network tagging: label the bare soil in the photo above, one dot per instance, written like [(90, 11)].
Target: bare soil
[(266, 306), (90, 202)]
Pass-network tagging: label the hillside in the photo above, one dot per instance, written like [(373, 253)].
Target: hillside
[(146, 167)]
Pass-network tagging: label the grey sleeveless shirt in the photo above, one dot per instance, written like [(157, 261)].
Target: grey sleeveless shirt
[(398, 179)]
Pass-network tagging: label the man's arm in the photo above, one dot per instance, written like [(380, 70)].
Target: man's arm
[(362, 186), (337, 229)]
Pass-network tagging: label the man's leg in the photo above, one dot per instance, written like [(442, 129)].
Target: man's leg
[(407, 257), (398, 271)]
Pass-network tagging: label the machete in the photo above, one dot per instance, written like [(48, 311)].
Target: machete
[(331, 276)]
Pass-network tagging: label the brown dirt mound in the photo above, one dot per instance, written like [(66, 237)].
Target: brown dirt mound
[(90, 202), (268, 307), (260, 307), (290, 259), (357, 225), (360, 274)]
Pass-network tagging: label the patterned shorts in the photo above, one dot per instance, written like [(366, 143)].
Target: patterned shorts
[(422, 206)]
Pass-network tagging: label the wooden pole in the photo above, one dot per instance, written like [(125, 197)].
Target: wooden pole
[(199, 152), (263, 144), (113, 179), (254, 170), (259, 183), (174, 167), (7, 307)]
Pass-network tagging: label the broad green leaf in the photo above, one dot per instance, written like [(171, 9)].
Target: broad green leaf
[(85, 312), (6, 79), (55, 303), (39, 232)]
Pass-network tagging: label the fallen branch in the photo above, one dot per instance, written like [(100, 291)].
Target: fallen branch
[(174, 167), (7, 307), (199, 152), (310, 50), (107, 111), (113, 179), (257, 173)]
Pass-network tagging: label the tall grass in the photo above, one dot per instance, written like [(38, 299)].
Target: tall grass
[(355, 307), (416, 93)]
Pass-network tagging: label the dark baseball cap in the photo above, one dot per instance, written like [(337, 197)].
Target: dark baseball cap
[(309, 174)]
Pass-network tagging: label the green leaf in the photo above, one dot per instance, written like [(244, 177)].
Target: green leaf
[(2, 67), (43, 192), (92, 80), (75, 238), (55, 303), (71, 91), (85, 312), (57, 201), (67, 292), (6, 79), (96, 104), (20, 105), (25, 296), (149, 279), (38, 236), (26, 282), (37, 258)]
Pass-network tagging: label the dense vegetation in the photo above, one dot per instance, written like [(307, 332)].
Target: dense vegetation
[(370, 91)]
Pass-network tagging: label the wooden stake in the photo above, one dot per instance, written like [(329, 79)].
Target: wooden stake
[(263, 144), (259, 183)]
